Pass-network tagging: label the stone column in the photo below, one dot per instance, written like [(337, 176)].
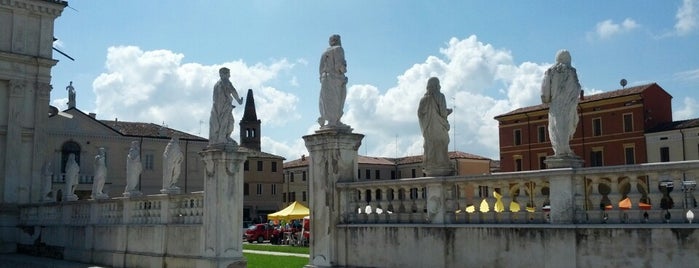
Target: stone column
[(333, 159), (223, 208)]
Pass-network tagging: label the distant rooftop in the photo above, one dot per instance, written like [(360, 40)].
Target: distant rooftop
[(372, 160), (605, 95), (682, 124)]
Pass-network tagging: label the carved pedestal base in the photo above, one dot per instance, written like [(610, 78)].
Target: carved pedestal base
[(439, 171), (171, 190), (563, 162), (133, 193), (70, 197)]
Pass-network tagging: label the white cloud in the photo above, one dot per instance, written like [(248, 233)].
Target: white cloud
[(688, 75), (470, 72), (607, 29), (689, 109), (61, 104), (687, 17), (155, 86)]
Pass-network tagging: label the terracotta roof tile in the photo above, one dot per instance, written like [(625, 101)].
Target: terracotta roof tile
[(304, 160), (140, 129)]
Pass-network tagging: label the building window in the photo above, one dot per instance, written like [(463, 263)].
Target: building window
[(518, 162), (259, 189), (246, 165), (148, 161), (284, 197), (628, 122), (291, 177), (393, 174), (273, 190), (378, 174), (368, 174), (274, 166), (259, 165), (303, 176), (596, 157), (518, 137), (630, 154), (541, 131), (303, 196), (597, 126), (664, 154), (542, 164), (292, 196), (246, 189), (413, 172), (359, 173)]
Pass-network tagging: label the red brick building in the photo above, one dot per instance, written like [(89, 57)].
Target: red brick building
[(610, 130)]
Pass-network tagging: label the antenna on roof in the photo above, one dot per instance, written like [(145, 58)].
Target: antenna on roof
[(622, 83)]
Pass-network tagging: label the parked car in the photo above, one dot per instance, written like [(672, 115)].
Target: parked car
[(246, 225), (261, 232)]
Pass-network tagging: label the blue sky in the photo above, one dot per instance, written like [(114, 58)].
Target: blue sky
[(157, 61)]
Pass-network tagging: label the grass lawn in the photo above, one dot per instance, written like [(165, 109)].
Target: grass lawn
[(271, 261), (277, 248)]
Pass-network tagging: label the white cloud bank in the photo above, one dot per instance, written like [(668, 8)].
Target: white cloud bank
[(156, 87)]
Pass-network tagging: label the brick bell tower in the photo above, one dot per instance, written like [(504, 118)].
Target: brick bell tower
[(250, 125)]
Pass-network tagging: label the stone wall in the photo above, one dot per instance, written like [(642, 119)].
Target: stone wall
[(651, 245)]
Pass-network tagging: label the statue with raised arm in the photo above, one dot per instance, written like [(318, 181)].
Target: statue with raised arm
[(172, 164), (71, 179), (100, 175), (71, 95), (561, 89), (432, 114), (333, 86), (133, 170), (221, 121)]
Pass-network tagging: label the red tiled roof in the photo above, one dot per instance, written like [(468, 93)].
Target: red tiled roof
[(601, 96), (140, 129)]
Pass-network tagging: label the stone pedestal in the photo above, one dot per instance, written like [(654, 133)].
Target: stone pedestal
[(333, 159), (223, 208), (563, 162), (171, 190), (134, 193)]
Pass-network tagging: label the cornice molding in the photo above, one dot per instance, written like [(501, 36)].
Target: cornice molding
[(46, 7)]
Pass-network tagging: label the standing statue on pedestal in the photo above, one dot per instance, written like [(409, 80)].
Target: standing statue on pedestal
[(71, 179), (133, 170), (560, 89), (172, 164), (221, 122), (46, 174), (333, 85), (432, 114), (100, 175), (71, 95)]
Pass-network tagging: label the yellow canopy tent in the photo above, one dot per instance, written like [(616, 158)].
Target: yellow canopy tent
[(295, 211)]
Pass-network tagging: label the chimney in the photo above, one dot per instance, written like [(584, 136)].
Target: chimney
[(93, 115), (582, 94), (303, 157)]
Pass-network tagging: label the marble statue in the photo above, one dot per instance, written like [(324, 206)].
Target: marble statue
[(560, 89), (221, 122), (333, 85), (133, 170), (432, 114), (71, 179), (47, 175), (71, 95), (172, 164), (100, 175)]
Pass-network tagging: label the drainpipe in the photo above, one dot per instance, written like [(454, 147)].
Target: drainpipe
[(529, 142), (684, 154), (140, 156), (186, 166)]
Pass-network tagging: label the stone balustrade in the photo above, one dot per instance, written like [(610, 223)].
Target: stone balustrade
[(145, 210), (646, 193)]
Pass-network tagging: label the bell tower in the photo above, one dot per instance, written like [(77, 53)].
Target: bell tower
[(250, 125)]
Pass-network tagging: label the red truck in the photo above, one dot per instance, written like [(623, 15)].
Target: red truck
[(261, 232)]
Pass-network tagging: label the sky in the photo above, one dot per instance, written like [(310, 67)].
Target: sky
[(157, 61)]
